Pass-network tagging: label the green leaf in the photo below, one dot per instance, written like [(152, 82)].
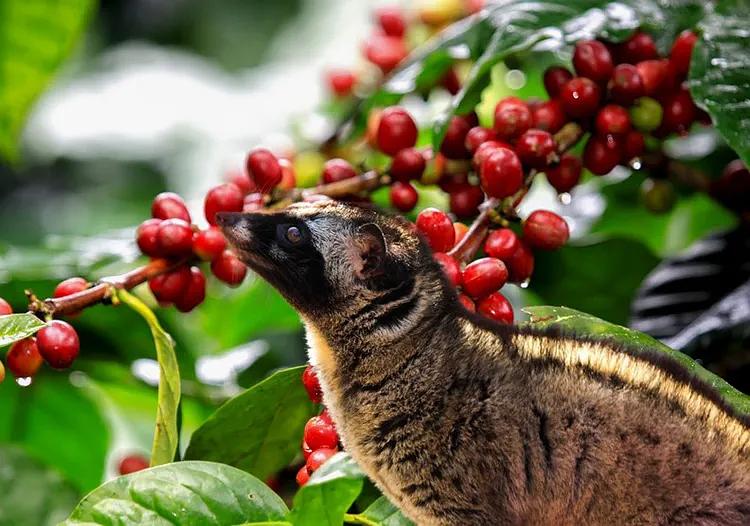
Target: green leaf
[(586, 324), (36, 36), (720, 72), (166, 433), (600, 278), (329, 493), (181, 494), (382, 513), (259, 430), (14, 327), (30, 492)]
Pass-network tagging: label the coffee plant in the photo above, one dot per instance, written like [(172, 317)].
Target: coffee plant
[(461, 114)]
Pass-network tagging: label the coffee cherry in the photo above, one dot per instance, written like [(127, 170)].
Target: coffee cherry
[(404, 196), (225, 198), (195, 292), (461, 230), (391, 21), (682, 51), (288, 175), (23, 358), (555, 78), (437, 228), (70, 286), (341, 82), (168, 205), (146, 237), (209, 243), (5, 308), (612, 119), (467, 302), (253, 202), (549, 116), (241, 180), (451, 82), (319, 433), (175, 237), (580, 97), (263, 168), (58, 344), (450, 268), (566, 174), (653, 74), (545, 230), (679, 112), (626, 84), (591, 59), (407, 164), (512, 118), (464, 201), (228, 268), (336, 170), (170, 286), (483, 276), (521, 264), (501, 173), (132, 463), (326, 416), (501, 244), (646, 114), (306, 451), (477, 136), (732, 189), (396, 131), (485, 149), (385, 51), (637, 48), (658, 195), (451, 182), (633, 146), (601, 154), (454, 142), (303, 476), (536, 149), (312, 384), (496, 307), (319, 457)]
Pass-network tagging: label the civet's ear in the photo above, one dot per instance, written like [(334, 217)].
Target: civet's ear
[(369, 251)]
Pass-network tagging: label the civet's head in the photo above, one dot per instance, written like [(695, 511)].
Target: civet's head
[(329, 258)]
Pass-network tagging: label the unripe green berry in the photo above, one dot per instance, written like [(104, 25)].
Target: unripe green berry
[(646, 114), (658, 195)]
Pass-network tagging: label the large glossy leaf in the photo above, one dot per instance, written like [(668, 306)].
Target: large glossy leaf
[(329, 493), (383, 513), (720, 71), (36, 36), (166, 432), (14, 327), (30, 492), (259, 430), (579, 323), (180, 494)]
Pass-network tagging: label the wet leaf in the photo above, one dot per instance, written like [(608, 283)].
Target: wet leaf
[(14, 327)]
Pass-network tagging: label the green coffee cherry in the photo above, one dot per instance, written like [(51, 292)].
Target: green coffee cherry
[(646, 114)]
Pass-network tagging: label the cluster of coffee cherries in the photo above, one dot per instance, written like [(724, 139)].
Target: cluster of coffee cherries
[(321, 440)]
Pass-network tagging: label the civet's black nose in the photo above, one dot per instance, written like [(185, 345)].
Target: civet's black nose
[(228, 219)]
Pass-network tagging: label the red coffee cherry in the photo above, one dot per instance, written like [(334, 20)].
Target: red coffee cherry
[(484, 276), (170, 286), (591, 59), (477, 136), (175, 237), (312, 384), (241, 180), (209, 243), (132, 463), (451, 82), (496, 307), (195, 292), (58, 344), (385, 51), (263, 168), (335, 170), (682, 51), (320, 433), (303, 476), (396, 131), (501, 173), (407, 164), (224, 198), (454, 142), (732, 189), (549, 116), (450, 267), (512, 118), (467, 302), (319, 457), (566, 174), (613, 119), (146, 237), (70, 286), (601, 154), (341, 82), (437, 228), (168, 205), (228, 268), (679, 112), (23, 358), (545, 230), (555, 78), (5, 308), (637, 48), (485, 149), (288, 175), (253, 202), (580, 97), (633, 146), (306, 451), (391, 21), (521, 264), (653, 73), (626, 84), (465, 200), (450, 182), (536, 149), (404, 196), (326, 416), (501, 244), (461, 230)]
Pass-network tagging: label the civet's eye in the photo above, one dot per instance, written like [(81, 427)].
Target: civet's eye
[(293, 235)]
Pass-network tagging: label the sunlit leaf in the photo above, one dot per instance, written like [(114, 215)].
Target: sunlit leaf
[(14, 327)]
